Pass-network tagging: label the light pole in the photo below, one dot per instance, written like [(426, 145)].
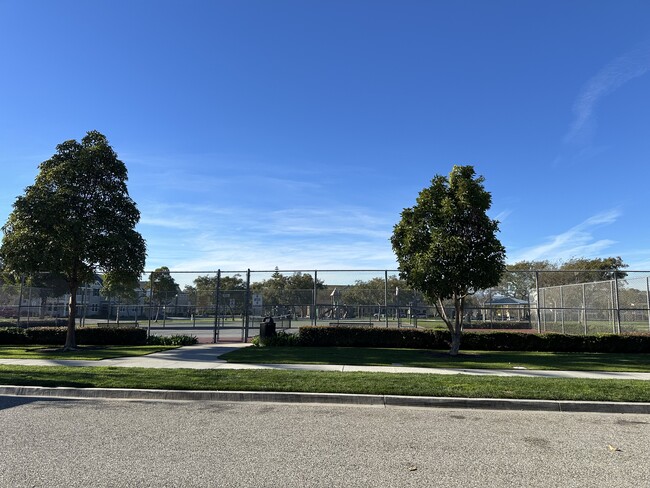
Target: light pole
[(335, 303), (397, 306)]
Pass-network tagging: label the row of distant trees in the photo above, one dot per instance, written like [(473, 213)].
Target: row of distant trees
[(296, 288), (517, 281), (519, 278)]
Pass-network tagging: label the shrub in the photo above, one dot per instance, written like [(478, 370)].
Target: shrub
[(175, 340), (47, 335), (478, 341), (114, 336), (497, 325), (100, 336), (279, 339), (373, 337), (12, 336), (32, 322)]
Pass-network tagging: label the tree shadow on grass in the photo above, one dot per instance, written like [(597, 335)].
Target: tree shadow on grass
[(460, 356)]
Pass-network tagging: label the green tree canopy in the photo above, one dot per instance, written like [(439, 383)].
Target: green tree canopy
[(279, 289), (162, 286), (520, 277), (523, 276), (374, 291), (203, 293), (75, 218), (446, 245), (121, 289), (595, 269)]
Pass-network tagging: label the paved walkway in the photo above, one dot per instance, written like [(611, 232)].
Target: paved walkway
[(207, 356)]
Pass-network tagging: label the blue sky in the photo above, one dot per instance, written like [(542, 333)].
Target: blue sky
[(293, 133)]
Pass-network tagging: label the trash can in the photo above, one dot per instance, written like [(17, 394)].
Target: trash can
[(267, 328)]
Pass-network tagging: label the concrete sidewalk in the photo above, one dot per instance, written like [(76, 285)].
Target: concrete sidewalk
[(207, 356)]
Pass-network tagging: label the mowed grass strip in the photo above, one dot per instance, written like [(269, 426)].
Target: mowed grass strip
[(330, 382), (89, 353), (440, 359)]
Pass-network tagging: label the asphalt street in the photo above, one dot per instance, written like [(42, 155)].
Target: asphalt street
[(108, 443)]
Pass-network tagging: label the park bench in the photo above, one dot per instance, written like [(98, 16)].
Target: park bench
[(351, 324), (115, 325)]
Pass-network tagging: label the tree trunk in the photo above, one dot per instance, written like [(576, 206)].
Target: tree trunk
[(41, 314), (71, 336), (457, 329), (455, 343)]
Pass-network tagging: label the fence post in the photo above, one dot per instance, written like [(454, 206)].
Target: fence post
[(108, 315), (613, 306), (385, 297), (20, 298), (399, 324), (215, 336), (584, 306), (29, 307), (247, 299), (618, 305), (314, 299), (539, 318), (647, 299), (562, 306), (150, 303), (82, 315)]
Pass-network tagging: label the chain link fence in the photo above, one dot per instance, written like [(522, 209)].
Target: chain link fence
[(574, 302)]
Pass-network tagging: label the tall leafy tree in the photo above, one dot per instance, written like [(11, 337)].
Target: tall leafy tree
[(162, 287), (75, 218), (300, 289), (124, 291), (595, 269), (523, 276), (43, 285), (10, 285), (203, 293), (373, 292), (295, 289), (47, 285), (520, 278), (447, 246)]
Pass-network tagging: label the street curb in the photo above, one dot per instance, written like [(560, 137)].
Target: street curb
[(325, 398)]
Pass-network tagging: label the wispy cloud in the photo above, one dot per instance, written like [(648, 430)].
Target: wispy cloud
[(578, 241), (185, 236), (638, 258), (234, 254), (621, 70), (503, 215), (335, 220)]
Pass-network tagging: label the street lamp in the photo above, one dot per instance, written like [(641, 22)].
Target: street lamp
[(336, 294), (397, 306)]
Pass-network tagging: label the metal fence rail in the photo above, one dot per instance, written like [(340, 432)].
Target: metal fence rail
[(544, 301)]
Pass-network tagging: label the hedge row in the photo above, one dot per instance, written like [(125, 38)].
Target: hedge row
[(498, 325), (32, 322), (484, 341), (99, 336)]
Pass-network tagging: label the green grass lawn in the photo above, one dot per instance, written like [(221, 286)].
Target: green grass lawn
[(330, 382), (91, 353), (440, 359)]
